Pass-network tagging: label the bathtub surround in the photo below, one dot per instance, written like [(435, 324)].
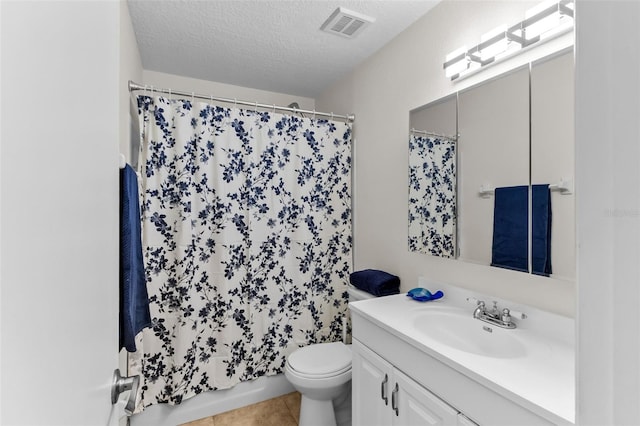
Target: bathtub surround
[(247, 240)]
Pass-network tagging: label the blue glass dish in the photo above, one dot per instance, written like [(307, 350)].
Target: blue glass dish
[(423, 295)]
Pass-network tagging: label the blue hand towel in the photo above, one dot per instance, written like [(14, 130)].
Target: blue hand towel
[(134, 300), (541, 230), (378, 283), (511, 228)]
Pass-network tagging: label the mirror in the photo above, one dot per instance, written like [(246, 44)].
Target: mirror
[(432, 179), (515, 136), (552, 152), (493, 120)]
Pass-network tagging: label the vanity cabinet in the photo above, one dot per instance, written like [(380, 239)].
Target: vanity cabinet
[(383, 395), (437, 387)]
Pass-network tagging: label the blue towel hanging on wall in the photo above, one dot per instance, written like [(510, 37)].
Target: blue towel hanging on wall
[(134, 300), (511, 228), (541, 230)]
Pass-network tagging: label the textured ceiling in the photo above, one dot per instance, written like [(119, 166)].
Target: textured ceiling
[(263, 44)]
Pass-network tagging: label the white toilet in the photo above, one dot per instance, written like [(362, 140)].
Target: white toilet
[(322, 374)]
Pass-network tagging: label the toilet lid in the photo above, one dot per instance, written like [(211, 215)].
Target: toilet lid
[(321, 359)]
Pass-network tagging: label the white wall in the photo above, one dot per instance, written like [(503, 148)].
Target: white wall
[(59, 218), (187, 84), (130, 69), (608, 212), (405, 74)]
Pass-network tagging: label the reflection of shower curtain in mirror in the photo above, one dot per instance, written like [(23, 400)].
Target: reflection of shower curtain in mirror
[(247, 242), (432, 195)]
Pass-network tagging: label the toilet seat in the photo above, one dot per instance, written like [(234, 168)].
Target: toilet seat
[(321, 360)]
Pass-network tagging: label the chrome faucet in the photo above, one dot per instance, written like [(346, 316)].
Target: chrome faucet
[(495, 316)]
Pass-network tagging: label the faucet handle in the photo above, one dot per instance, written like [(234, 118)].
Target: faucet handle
[(506, 316), (479, 310), (518, 315)]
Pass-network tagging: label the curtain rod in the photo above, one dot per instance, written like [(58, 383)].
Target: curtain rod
[(437, 135), (135, 86)]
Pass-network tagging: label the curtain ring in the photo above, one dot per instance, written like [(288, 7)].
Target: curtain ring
[(331, 115), (235, 103), (314, 113), (274, 108), (193, 95), (169, 94), (255, 108)]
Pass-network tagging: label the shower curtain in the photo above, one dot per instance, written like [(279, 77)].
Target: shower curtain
[(432, 195), (246, 222)]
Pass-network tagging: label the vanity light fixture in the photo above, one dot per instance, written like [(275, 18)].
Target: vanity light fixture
[(541, 22), (456, 62), (493, 44), (548, 18)]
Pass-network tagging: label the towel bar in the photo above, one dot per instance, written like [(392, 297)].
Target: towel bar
[(564, 187)]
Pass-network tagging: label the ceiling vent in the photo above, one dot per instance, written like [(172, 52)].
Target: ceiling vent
[(346, 23)]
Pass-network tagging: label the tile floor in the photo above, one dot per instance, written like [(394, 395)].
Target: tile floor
[(281, 411)]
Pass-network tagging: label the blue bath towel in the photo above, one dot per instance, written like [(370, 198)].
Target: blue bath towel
[(134, 300), (378, 283), (511, 228), (541, 230)]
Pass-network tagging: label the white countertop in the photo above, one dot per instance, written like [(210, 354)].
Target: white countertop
[(543, 381)]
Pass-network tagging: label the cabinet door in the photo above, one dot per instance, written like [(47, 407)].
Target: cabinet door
[(371, 379), (465, 421), (414, 405)]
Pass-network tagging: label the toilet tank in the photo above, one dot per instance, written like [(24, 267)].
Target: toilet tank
[(357, 294)]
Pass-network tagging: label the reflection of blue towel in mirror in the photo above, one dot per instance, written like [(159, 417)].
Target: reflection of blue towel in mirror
[(541, 230), (510, 228)]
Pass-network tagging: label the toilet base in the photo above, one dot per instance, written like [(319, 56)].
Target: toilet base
[(316, 412), (342, 409)]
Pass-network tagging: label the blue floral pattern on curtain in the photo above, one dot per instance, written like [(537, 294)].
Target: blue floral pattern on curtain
[(246, 222), (432, 195)]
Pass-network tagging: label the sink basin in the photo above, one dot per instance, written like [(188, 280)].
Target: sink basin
[(459, 330)]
